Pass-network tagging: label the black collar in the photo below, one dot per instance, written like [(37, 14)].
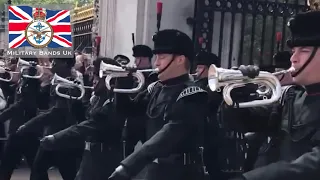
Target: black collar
[(313, 89), (176, 80), (202, 79)]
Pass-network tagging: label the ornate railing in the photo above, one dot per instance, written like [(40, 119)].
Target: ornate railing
[(82, 21)]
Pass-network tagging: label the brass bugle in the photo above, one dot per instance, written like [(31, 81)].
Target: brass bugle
[(3, 70), (88, 87), (230, 79), (290, 70), (112, 71), (61, 82), (25, 65), (264, 90)]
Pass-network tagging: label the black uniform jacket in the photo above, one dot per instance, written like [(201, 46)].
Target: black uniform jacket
[(299, 137), (64, 114), (176, 114), (25, 105), (94, 129), (103, 124)]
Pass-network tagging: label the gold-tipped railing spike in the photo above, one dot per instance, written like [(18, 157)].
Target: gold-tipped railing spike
[(314, 5), (81, 13)]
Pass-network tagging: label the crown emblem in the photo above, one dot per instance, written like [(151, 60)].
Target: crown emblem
[(39, 14)]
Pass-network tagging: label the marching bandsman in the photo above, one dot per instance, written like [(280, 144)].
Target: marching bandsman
[(296, 127), (101, 135), (65, 113), (23, 109), (173, 129), (142, 57)]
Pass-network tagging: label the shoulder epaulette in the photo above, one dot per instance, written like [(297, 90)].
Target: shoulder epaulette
[(151, 86), (190, 91), (108, 101)]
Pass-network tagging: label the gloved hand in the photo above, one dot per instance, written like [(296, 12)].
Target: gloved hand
[(250, 71), (21, 129), (120, 174), (78, 82), (47, 142), (111, 62)]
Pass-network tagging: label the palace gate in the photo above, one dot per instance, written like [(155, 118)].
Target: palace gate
[(82, 21), (244, 31)]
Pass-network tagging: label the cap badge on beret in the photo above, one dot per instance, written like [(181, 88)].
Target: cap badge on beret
[(289, 23)]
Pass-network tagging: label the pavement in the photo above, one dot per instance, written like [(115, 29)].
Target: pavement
[(24, 174)]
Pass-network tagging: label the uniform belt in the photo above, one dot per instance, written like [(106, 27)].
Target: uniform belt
[(187, 159), (96, 146)]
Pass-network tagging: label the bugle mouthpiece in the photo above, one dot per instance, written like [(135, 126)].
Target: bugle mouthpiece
[(291, 69)]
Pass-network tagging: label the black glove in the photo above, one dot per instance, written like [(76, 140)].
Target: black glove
[(111, 62), (249, 71), (78, 82), (47, 142), (120, 174)]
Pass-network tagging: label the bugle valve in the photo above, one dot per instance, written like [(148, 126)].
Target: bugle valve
[(264, 90), (231, 79), (61, 82), (112, 71)]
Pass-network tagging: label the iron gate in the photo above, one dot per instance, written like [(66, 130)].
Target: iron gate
[(82, 34), (243, 31), (82, 22)]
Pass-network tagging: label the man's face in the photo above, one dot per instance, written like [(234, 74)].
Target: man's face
[(142, 62), (201, 71), (163, 60), (311, 73)]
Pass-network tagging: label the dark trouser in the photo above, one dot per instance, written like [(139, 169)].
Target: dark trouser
[(2, 135), (99, 161), (16, 147), (168, 171), (65, 161)]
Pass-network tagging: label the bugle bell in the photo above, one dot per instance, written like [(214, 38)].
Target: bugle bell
[(230, 79), (112, 71), (61, 82), (3, 71), (25, 65)]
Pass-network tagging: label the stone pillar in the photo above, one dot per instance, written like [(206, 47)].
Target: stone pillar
[(174, 15), (106, 28)]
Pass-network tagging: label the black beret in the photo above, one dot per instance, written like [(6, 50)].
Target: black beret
[(207, 58), (70, 61), (305, 29), (171, 41), (282, 59), (142, 51)]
